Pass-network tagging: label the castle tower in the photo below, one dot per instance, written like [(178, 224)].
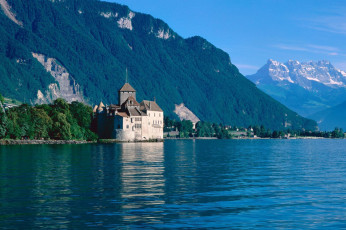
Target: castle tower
[(125, 92)]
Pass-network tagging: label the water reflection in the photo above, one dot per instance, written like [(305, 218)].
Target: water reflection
[(52, 189), (177, 184), (142, 178)]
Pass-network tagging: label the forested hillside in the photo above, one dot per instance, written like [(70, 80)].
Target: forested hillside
[(96, 41), (331, 118)]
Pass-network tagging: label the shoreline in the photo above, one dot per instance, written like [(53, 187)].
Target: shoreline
[(43, 142), (112, 141)]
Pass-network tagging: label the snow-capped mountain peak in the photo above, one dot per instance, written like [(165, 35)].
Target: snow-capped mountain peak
[(303, 73), (278, 71)]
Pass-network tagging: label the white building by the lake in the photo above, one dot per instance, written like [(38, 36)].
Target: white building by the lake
[(129, 120)]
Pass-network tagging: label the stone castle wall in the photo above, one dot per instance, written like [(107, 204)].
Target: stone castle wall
[(125, 135)]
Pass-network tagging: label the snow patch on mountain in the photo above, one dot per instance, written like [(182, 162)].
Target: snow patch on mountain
[(126, 22)]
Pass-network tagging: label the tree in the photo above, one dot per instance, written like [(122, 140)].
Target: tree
[(2, 99), (337, 133), (82, 113), (61, 105), (61, 129), (275, 134), (3, 125), (41, 122)]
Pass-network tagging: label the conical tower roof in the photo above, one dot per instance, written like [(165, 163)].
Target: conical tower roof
[(127, 87), (95, 108), (101, 106)]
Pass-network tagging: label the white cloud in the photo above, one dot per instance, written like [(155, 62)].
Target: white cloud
[(332, 24), (331, 19), (326, 48), (311, 48), (245, 66), (290, 47)]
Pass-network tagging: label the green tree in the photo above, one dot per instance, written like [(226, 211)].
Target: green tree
[(337, 133), (41, 123), (2, 99), (3, 125), (61, 129)]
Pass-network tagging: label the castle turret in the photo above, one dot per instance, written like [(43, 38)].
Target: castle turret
[(125, 92)]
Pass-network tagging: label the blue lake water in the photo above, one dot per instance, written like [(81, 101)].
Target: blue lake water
[(241, 184)]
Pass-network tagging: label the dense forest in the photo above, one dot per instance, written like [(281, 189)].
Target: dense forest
[(86, 38), (59, 121)]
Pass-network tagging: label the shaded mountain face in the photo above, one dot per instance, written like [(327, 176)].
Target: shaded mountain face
[(79, 49), (331, 118), (305, 87)]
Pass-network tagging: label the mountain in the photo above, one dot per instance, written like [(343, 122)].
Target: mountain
[(305, 87), (331, 118), (80, 49)]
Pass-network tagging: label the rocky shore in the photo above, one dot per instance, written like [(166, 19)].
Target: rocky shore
[(111, 141), (42, 142)]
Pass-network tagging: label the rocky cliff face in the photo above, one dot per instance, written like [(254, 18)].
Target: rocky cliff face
[(185, 114), (9, 12), (65, 86)]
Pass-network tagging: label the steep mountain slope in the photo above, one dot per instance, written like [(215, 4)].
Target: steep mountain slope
[(331, 118), (305, 87), (92, 42)]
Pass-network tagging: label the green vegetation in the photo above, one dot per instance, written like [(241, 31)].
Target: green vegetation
[(95, 51), (207, 129), (59, 121), (2, 99), (203, 129)]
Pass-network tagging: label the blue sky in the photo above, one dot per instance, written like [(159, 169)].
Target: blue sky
[(253, 31)]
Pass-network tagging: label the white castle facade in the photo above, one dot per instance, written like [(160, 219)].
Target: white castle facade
[(129, 120)]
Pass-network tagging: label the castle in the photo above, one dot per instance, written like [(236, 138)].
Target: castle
[(129, 120)]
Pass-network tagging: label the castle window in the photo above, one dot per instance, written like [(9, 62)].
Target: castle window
[(159, 114), (127, 126), (154, 114)]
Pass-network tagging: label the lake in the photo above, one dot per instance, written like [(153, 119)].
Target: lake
[(238, 184)]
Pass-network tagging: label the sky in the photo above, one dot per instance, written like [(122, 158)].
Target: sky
[(253, 31)]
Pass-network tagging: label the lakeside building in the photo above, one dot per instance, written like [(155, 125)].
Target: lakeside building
[(129, 120)]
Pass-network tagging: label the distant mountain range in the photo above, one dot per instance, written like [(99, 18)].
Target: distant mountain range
[(305, 87), (79, 50)]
